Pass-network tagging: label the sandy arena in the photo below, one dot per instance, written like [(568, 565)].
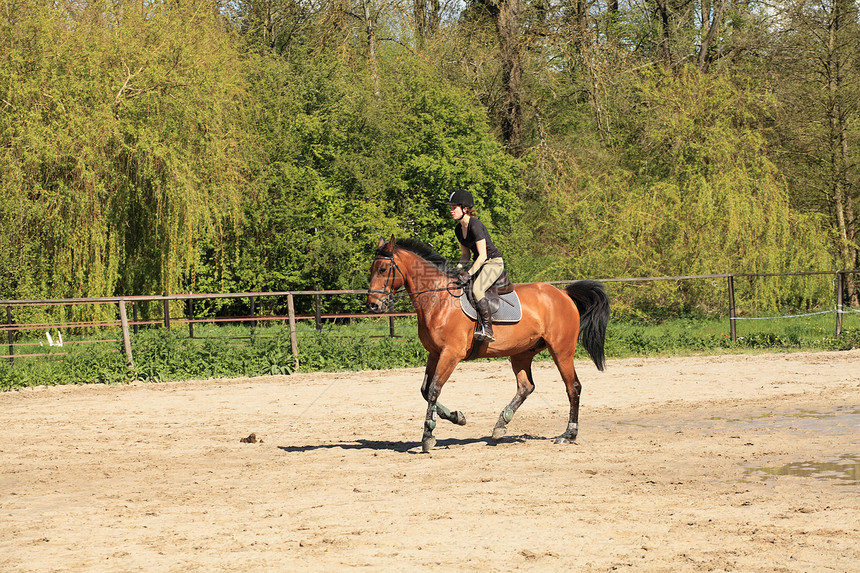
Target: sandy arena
[(747, 463)]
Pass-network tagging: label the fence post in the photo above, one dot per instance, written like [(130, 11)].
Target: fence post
[(134, 316), (840, 277), (318, 309), (126, 339), (253, 314), (391, 326), (294, 341), (166, 312), (10, 336), (189, 309), (732, 326)]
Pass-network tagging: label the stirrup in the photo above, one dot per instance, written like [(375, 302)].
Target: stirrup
[(481, 336)]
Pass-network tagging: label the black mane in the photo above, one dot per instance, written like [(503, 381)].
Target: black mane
[(426, 252)]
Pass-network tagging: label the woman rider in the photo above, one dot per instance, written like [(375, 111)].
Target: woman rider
[(487, 265)]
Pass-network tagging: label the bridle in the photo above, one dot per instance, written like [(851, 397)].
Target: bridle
[(390, 295)]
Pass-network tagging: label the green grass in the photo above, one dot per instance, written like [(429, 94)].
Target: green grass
[(691, 335), (366, 344)]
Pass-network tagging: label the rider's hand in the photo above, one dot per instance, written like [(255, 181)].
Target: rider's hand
[(463, 278)]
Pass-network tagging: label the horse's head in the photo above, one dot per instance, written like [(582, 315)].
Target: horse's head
[(385, 277)]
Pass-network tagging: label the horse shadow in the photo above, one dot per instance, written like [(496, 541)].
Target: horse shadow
[(408, 447)]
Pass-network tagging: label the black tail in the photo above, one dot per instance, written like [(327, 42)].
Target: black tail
[(593, 305)]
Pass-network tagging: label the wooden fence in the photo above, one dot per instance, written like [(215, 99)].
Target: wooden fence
[(128, 325)]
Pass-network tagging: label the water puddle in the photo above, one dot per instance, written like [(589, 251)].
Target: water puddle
[(838, 421), (634, 424), (845, 469), (842, 420)]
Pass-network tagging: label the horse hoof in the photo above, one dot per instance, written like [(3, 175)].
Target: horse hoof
[(564, 440), (461, 419), (427, 445), (499, 433)]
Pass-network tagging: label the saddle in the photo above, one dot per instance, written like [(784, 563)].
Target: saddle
[(504, 302)]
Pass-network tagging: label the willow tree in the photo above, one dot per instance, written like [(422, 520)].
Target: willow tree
[(121, 144)]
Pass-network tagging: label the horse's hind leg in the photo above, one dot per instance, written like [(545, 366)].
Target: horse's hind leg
[(522, 365), (455, 417), (573, 386)]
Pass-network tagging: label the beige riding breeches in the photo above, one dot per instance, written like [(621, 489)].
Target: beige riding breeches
[(490, 271)]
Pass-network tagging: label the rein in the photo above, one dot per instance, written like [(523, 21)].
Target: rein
[(391, 296)]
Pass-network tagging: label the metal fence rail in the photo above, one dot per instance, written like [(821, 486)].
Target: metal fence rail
[(291, 317), (730, 278)]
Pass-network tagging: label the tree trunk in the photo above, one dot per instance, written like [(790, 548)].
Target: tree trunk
[(665, 44), (507, 16), (712, 21), (612, 21), (584, 41), (370, 30), (840, 180), (426, 16), (434, 18), (419, 14)]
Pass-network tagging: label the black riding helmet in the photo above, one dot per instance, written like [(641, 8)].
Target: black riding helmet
[(461, 197)]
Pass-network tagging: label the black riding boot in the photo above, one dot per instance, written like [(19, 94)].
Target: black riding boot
[(485, 318)]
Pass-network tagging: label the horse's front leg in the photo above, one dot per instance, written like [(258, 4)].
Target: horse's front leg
[(455, 417), (431, 389)]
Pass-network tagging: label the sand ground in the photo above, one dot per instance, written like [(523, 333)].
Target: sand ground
[(746, 463)]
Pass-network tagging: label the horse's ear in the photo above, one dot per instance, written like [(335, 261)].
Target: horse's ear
[(386, 247), (389, 246)]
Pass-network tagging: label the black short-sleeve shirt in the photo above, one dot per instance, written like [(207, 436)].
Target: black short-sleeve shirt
[(477, 231)]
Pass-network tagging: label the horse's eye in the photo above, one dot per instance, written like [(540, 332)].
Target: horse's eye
[(381, 271)]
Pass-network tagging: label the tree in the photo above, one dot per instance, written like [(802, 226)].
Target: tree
[(427, 15), (695, 194), (818, 59), (277, 25), (120, 143), (344, 164), (507, 18)]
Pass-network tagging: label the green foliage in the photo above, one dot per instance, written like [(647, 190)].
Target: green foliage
[(260, 146), (344, 167), (318, 206), (335, 349), (441, 142), (693, 335), (696, 195), (233, 351), (85, 364), (847, 340), (120, 145), (171, 355)]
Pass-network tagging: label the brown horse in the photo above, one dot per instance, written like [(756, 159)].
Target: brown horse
[(552, 319)]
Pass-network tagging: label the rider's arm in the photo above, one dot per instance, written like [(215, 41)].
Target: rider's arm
[(481, 258), (465, 255)]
